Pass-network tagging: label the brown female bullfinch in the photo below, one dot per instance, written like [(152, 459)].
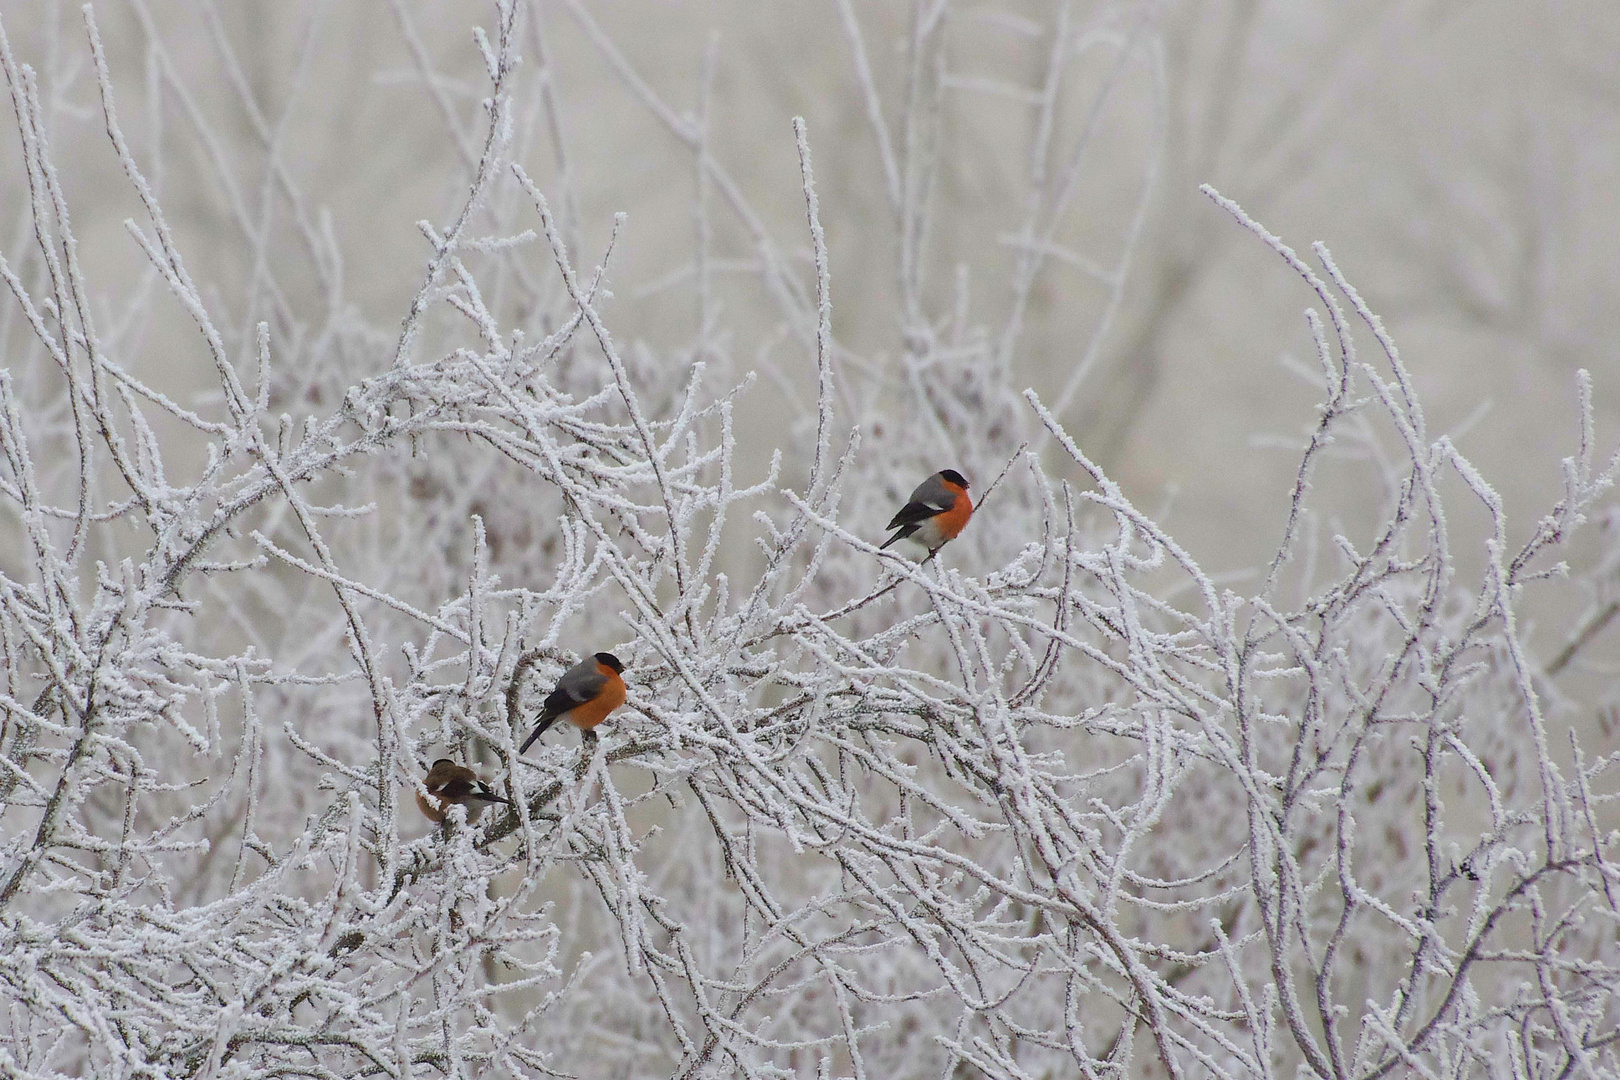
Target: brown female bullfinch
[(447, 783)]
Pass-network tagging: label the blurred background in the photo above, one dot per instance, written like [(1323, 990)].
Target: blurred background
[(1461, 160)]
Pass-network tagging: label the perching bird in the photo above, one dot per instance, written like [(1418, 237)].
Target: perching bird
[(447, 783), (585, 695), (935, 513)]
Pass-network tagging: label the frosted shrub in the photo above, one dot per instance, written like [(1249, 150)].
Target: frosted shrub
[(1055, 803)]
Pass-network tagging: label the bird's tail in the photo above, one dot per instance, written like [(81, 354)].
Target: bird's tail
[(490, 796), (539, 730), (901, 535)]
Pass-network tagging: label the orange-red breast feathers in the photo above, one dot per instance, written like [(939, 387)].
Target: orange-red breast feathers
[(951, 523)]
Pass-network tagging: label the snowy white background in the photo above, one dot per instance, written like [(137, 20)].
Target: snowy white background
[(1257, 727)]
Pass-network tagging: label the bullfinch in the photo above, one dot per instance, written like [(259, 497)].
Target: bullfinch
[(585, 695), (935, 513), (447, 783)]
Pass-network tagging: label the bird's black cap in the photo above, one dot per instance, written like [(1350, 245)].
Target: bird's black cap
[(954, 477), (609, 660)]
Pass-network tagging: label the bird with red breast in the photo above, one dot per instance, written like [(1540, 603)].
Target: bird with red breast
[(935, 514), (585, 695)]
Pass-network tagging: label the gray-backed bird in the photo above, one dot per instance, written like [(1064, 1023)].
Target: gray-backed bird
[(935, 513), (585, 695)]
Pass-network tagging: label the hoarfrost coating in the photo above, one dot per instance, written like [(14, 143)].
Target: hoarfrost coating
[(1057, 802)]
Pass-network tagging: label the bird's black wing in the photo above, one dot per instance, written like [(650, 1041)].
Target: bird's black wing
[(459, 788), (484, 794), (914, 514), (558, 702)]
